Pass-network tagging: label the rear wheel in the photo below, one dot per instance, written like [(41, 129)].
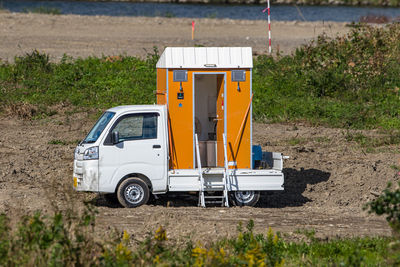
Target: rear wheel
[(245, 198), (133, 192)]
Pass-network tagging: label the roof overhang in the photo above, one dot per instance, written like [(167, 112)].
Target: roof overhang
[(206, 58)]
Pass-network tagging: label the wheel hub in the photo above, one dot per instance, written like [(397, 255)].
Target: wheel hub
[(244, 196), (134, 193)]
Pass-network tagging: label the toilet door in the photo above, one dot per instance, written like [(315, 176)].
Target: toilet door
[(221, 109)]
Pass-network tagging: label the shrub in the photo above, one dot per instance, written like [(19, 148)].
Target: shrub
[(63, 239), (68, 238), (351, 81), (388, 204), (43, 10)]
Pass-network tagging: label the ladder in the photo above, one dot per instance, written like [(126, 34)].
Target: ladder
[(214, 187)]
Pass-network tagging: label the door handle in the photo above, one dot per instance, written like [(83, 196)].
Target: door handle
[(156, 146)]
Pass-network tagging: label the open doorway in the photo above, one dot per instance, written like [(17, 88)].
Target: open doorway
[(209, 114)]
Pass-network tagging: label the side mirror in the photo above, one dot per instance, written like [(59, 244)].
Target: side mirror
[(115, 138)]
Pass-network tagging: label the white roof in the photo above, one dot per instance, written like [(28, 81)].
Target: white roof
[(129, 108), (206, 57)]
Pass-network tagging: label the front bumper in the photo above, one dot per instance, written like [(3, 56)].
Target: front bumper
[(86, 174)]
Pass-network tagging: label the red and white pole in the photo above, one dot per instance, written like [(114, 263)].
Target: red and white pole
[(269, 26)]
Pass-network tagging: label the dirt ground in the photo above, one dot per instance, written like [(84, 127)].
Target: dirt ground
[(328, 179), (82, 36)]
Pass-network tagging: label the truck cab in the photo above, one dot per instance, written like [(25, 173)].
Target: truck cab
[(126, 142)]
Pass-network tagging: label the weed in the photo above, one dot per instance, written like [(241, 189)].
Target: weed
[(63, 142), (349, 82), (395, 167), (345, 82), (22, 110), (374, 19), (212, 15), (388, 204), (63, 239), (296, 141), (43, 10), (308, 233), (322, 139), (68, 238), (169, 14), (392, 138), (338, 252)]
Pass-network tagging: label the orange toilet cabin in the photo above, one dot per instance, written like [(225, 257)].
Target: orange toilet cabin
[(208, 92)]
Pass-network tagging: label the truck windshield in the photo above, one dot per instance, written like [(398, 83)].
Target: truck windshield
[(98, 127)]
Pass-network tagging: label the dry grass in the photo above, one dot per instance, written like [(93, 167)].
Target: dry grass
[(22, 110)]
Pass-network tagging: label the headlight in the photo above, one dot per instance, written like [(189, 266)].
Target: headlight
[(76, 152), (91, 153)]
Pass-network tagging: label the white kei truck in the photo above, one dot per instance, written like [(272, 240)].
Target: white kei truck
[(197, 138)]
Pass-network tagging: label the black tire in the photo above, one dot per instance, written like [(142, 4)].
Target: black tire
[(133, 192), (245, 198)]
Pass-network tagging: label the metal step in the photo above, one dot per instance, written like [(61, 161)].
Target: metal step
[(211, 183), (213, 190), (214, 184), (214, 202)]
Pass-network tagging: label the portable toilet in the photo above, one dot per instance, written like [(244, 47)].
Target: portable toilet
[(207, 91)]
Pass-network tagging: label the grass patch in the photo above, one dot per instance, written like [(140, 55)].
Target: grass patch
[(63, 142), (349, 82), (92, 82), (395, 167), (166, 14), (322, 139), (373, 142), (43, 10), (380, 3), (68, 238), (296, 141)]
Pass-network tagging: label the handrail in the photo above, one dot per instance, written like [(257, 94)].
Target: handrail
[(226, 171), (241, 126), (201, 192)]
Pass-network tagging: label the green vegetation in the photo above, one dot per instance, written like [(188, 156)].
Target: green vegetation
[(373, 142), (92, 82), (63, 142), (296, 141), (166, 14), (68, 239), (392, 3), (43, 10), (212, 15), (350, 82), (388, 204), (395, 167)]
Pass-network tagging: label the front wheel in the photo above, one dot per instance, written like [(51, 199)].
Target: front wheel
[(245, 198), (133, 192)]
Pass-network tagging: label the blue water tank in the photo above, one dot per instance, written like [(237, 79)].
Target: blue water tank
[(257, 154)]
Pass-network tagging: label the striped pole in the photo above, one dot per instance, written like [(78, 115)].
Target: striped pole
[(269, 26), (193, 30)]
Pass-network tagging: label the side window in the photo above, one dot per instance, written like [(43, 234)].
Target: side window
[(137, 126)]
